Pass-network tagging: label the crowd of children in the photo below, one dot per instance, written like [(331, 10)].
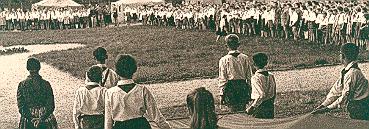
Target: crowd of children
[(112, 100), (325, 22), (54, 18)]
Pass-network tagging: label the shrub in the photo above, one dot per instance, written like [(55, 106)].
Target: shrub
[(10, 51), (319, 62)]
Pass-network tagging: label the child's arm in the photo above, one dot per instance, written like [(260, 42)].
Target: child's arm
[(108, 122), (257, 93), (248, 71), (348, 82), (153, 112), (332, 95), (76, 110), (222, 79)]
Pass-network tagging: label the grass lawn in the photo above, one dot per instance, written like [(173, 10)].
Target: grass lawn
[(166, 54)]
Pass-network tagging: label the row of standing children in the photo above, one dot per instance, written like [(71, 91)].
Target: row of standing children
[(318, 22), (54, 18)]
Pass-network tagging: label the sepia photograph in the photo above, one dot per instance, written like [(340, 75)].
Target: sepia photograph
[(184, 64)]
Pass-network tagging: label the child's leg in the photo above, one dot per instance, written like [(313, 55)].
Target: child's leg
[(265, 110)]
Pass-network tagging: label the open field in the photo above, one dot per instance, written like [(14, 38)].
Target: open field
[(167, 58), (165, 54), (296, 93)]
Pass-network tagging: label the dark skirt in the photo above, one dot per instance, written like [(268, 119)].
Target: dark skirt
[(265, 110), (236, 94), (136, 123), (49, 123), (358, 109), (91, 122)]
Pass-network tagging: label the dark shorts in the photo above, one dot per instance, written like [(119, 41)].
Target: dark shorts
[(136, 123), (265, 109), (358, 109), (236, 94)]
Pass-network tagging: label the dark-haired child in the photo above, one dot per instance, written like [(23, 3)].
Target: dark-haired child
[(109, 77), (351, 89), (263, 89), (129, 105), (88, 109)]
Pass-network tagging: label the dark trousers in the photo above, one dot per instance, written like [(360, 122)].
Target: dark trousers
[(265, 109), (236, 94), (9, 25), (136, 123), (358, 109)]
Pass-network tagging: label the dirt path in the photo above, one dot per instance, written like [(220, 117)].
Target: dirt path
[(13, 70)]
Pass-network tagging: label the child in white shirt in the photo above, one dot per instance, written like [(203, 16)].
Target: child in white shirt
[(263, 89), (88, 109)]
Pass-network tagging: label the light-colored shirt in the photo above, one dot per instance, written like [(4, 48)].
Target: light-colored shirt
[(263, 87), (332, 19), (319, 18), (312, 16), (234, 68), (354, 81), (88, 101), (108, 79), (293, 18), (341, 19), (324, 21), (138, 102)]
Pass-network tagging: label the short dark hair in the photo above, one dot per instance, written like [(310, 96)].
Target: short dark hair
[(350, 51), (232, 41), (100, 54), (125, 66), (33, 64), (260, 59), (94, 73)]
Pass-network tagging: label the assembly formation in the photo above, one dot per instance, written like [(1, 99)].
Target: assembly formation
[(325, 22), (111, 99)]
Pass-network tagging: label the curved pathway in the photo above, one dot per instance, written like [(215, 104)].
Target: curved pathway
[(13, 70)]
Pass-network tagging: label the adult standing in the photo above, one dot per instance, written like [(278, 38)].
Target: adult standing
[(35, 100)]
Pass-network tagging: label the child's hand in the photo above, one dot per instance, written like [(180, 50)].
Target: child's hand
[(319, 107), (250, 110), (36, 122), (321, 110)]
